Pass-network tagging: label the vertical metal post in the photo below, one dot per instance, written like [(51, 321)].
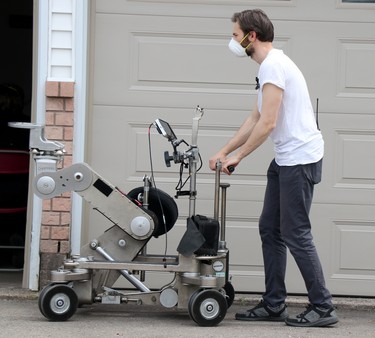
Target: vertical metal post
[(145, 204), (217, 190), (146, 191), (193, 160), (223, 187), (193, 180)]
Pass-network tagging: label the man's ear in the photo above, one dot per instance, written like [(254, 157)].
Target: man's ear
[(252, 36)]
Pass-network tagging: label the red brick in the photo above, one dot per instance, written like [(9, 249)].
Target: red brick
[(68, 147), (48, 246), (45, 232), (67, 89), (66, 218), (51, 218), (59, 118), (50, 118), (54, 103), (61, 204), (54, 133), (47, 205), (68, 133), (60, 232), (69, 104), (52, 88), (64, 119), (66, 194)]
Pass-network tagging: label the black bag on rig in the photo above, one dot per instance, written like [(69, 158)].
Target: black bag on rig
[(209, 228), (201, 237)]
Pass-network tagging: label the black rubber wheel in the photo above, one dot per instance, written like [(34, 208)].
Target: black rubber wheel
[(58, 302), (229, 293), (159, 202), (41, 295), (190, 306), (207, 307)]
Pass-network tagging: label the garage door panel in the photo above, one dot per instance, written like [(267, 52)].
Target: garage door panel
[(352, 144), (348, 169), (156, 56), (344, 237), (115, 136), (124, 141), (172, 63), (348, 246), (154, 60), (334, 76), (150, 61), (348, 233), (108, 149), (191, 8), (200, 57), (244, 244), (351, 82)]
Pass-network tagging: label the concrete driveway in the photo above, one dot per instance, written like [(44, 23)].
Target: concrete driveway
[(20, 317)]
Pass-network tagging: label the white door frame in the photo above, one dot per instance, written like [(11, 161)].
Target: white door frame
[(31, 281)]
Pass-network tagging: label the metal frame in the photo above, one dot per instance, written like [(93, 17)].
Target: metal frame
[(120, 250)]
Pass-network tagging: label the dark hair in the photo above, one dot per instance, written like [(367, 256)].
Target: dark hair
[(255, 20)]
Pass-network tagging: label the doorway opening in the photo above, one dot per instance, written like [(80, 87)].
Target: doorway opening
[(16, 25)]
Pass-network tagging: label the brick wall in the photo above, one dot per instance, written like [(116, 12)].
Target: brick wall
[(56, 215)]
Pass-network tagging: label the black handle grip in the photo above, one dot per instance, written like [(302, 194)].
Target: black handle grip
[(230, 168), (167, 158)]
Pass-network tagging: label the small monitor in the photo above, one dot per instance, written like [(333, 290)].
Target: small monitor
[(165, 129)]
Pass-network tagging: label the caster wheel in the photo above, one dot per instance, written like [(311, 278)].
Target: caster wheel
[(58, 302), (41, 295), (229, 293), (207, 307)]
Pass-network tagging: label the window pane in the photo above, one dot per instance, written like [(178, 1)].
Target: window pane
[(360, 1)]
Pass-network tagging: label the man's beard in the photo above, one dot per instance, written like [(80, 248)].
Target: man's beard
[(250, 51)]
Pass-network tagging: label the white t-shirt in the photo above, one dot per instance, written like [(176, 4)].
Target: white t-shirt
[(296, 137)]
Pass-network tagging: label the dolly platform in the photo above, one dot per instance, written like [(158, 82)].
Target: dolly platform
[(201, 281)]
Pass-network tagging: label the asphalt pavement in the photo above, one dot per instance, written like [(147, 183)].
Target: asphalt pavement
[(20, 317)]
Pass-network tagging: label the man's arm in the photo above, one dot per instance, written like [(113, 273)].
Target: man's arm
[(238, 139), (271, 101)]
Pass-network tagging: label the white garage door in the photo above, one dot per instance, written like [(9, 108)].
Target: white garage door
[(159, 59)]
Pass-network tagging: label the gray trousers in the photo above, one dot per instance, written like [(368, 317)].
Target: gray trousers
[(284, 223)]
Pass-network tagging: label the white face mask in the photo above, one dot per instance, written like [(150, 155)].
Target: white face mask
[(236, 48)]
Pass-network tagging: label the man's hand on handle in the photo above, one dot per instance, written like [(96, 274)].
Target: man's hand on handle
[(227, 164)]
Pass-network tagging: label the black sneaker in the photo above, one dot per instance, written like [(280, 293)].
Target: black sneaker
[(264, 312), (314, 317)]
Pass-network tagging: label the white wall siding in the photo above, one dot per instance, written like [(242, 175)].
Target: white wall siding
[(61, 40)]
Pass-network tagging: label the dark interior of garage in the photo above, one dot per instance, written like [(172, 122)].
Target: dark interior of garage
[(16, 25)]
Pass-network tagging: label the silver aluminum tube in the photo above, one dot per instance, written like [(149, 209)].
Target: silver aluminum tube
[(217, 190), (223, 187), (133, 280)]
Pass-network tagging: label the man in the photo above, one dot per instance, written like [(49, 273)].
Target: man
[(284, 113)]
